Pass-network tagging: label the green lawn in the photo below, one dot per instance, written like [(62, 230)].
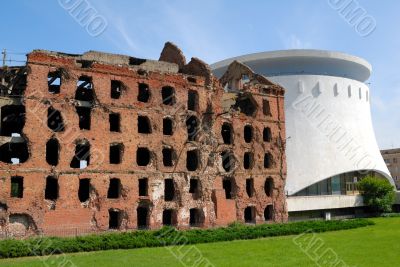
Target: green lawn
[(377, 245)]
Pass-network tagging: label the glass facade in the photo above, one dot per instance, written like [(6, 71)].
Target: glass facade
[(342, 184)]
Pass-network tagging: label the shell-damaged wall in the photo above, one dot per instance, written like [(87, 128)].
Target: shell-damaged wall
[(111, 141)]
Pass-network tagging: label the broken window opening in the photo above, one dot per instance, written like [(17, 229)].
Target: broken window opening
[(169, 217), (136, 61), (143, 185), (191, 79), (168, 95), (116, 151), (114, 188), (84, 189), (12, 119), (194, 187), (144, 93), (169, 189), (246, 104), (115, 219), (52, 151), (17, 186), (196, 217), (54, 120), (227, 186), (142, 217), (192, 160), (226, 132), (116, 89), (82, 155), (54, 82), (192, 127), (193, 100), (250, 187), (168, 157), (267, 160), (84, 117), (248, 133), (115, 121), (249, 215), (268, 213), (248, 160), (267, 135), (228, 161), (14, 153), (84, 90), (266, 107), (144, 125), (269, 186), (167, 126), (142, 156), (51, 190)]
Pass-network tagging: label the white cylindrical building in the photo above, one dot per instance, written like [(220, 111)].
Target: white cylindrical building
[(330, 139)]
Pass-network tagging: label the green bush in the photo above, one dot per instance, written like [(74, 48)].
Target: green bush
[(378, 193), (165, 236)]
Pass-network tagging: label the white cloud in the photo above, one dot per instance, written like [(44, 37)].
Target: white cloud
[(291, 41)]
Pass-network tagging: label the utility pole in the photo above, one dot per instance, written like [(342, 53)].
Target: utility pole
[(4, 53)]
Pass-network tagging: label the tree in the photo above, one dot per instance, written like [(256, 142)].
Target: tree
[(377, 193)]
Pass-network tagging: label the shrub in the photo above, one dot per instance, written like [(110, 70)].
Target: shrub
[(166, 236), (378, 193)]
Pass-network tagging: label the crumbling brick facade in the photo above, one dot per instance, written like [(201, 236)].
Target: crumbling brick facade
[(99, 141)]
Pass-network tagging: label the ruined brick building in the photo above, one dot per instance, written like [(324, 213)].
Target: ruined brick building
[(101, 141)]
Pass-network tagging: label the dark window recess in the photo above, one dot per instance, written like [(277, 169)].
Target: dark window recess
[(51, 191), (54, 120), (54, 82), (246, 105), (168, 157), (136, 61), (192, 127), (84, 90), (267, 135), (192, 160), (267, 160), (116, 89), (266, 107), (228, 161), (52, 151), (196, 217), (115, 219), (17, 186), (194, 186), (142, 156), (144, 125), (143, 185), (114, 188), (249, 215), (142, 217), (84, 117), (84, 189), (248, 133), (12, 119), (269, 186), (227, 186), (250, 187), (191, 79), (169, 189), (116, 153), (82, 156), (168, 217), (14, 153), (193, 100), (226, 132), (168, 95), (167, 126), (144, 93), (115, 122), (248, 160), (268, 213)]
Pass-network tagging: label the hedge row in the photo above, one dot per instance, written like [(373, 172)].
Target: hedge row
[(165, 236)]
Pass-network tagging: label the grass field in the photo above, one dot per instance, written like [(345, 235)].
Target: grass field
[(376, 245)]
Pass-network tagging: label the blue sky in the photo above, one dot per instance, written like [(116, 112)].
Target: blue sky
[(216, 29)]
